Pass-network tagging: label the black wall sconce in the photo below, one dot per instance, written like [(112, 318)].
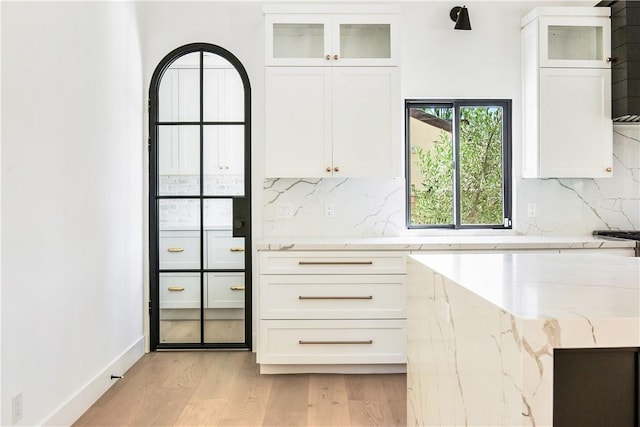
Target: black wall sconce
[(460, 15)]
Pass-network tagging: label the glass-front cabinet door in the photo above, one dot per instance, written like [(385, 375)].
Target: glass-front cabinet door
[(331, 40), (575, 42)]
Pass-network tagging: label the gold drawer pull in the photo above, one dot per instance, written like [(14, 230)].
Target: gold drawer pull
[(236, 249), (335, 262), (175, 249), (335, 342), (237, 288), (175, 288), (327, 297)]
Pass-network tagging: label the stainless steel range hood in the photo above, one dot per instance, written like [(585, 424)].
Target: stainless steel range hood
[(625, 52)]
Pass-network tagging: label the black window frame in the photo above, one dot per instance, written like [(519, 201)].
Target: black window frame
[(507, 131)]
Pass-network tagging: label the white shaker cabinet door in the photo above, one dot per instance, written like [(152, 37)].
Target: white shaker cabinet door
[(366, 122), (298, 122), (575, 123)]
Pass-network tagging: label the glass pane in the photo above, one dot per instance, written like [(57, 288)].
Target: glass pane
[(218, 214), (178, 160), (179, 214), (298, 40), (575, 42), (179, 90), (223, 92), (481, 165), (431, 179), (224, 315), (168, 96), (365, 40), (179, 307), (224, 160)]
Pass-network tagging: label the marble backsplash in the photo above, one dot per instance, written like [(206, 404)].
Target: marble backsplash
[(367, 207)]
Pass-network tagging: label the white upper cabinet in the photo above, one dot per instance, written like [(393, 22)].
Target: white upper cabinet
[(331, 40), (332, 95), (567, 126)]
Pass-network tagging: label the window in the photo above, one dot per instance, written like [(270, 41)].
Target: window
[(458, 163)]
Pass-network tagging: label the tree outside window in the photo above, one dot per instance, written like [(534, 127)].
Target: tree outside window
[(458, 164)]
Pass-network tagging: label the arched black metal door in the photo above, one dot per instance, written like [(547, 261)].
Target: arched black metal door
[(200, 200)]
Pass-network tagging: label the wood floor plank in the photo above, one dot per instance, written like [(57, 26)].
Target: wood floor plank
[(248, 396), (222, 374), (364, 387), (187, 370), (370, 413), (328, 401), (288, 401), (395, 389), (202, 412)]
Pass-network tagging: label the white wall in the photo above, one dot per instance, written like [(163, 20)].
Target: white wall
[(72, 110)]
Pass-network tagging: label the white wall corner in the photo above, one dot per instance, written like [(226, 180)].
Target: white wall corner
[(76, 405)]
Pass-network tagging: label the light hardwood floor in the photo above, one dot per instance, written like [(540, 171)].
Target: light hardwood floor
[(224, 388)]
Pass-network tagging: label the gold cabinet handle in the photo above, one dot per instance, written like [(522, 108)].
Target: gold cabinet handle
[(335, 342), (175, 288), (236, 249), (336, 57), (175, 249), (336, 169), (335, 262), (237, 288), (330, 297), (327, 57), (609, 169), (328, 169)]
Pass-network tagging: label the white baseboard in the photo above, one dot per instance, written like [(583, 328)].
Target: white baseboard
[(76, 405)]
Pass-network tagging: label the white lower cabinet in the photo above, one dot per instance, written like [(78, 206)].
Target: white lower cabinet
[(332, 311)]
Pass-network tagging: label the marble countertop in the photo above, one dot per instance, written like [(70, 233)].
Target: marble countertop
[(444, 242), (542, 286)]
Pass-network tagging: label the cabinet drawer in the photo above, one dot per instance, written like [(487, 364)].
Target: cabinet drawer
[(179, 250), (332, 342), (346, 262), (332, 297), (224, 251), (225, 290), (179, 290)]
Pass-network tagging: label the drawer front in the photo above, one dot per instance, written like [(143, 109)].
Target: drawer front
[(332, 342), (179, 250), (224, 251), (179, 290), (345, 262), (332, 297), (225, 290)]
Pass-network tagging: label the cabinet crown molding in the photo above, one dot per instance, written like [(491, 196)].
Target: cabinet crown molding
[(330, 8)]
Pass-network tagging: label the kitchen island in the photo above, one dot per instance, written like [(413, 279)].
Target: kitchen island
[(483, 330)]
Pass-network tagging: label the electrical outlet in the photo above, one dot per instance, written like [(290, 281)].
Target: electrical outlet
[(532, 211), (329, 211), (17, 410)]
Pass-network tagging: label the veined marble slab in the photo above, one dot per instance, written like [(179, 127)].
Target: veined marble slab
[(482, 329), (444, 242)]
